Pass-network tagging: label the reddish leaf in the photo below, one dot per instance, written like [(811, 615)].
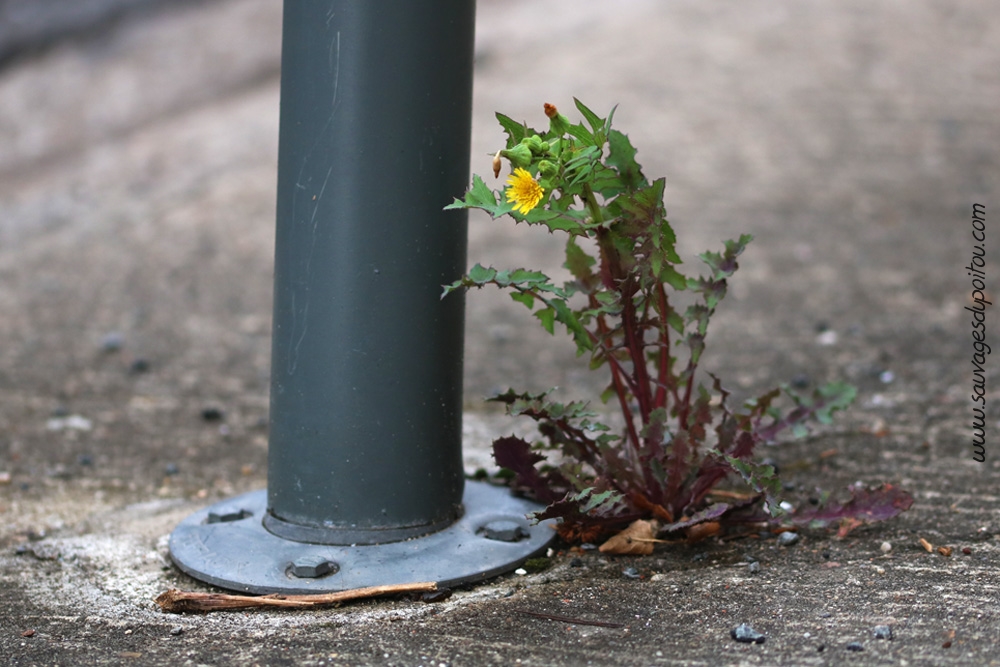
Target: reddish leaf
[(866, 505)]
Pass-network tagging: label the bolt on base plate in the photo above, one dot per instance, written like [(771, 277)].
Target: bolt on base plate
[(227, 545)]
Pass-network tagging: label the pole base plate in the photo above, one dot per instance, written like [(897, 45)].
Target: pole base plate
[(227, 545)]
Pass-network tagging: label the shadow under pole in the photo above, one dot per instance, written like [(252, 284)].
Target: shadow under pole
[(365, 478)]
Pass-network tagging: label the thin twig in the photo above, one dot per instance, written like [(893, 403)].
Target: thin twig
[(177, 602), (567, 619)]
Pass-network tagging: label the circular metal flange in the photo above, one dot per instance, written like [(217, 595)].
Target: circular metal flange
[(227, 545)]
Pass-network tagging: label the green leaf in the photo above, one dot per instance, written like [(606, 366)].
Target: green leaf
[(579, 262), (554, 220), (672, 277), (622, 158), (524, 276), (547, 316), (568, 318), (762, 479), (515, 131), (481, 275), (675, 321), (583, 134), (481, 196), (836, 396), (596, 122), (527, 298), (594, 501)]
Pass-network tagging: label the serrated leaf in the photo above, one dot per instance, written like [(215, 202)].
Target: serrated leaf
[(866, 504), (568, 318), (547, 316), (579, 262), (596, 500), (515, 131), (761, 478), (515, 454), (622, 158), (526, 298), (480, 275), (710, 513), (583, 134), (668, 274), (595, 121)]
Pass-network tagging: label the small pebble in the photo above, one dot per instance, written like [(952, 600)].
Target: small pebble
[(212, 414), (744, 633), (827, 338), (855, 646), (576, 562), (436, 596), (800, 381), (886, 547), (631, 573), (139, 366), (171, 469), (520, 572), (587, 546), (176, 630), (753, 567), (882, 632), (886, 377), (787, 538), (112, 342), (699, 556)]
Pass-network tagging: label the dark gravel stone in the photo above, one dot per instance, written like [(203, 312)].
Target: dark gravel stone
[(855, 646), (212, 414), (744, 633), (139, 366), (787, 538), (112, 342), (631, 573), (882, 632)]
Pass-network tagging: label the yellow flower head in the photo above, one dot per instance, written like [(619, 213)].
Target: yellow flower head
[(524, 191)]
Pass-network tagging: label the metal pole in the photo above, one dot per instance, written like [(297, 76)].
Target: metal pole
[(366, 370)]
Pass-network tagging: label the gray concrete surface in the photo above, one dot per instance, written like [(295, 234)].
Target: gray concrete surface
[(137, 172)]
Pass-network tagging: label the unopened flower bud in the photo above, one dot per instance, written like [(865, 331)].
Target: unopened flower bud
[(546, 168), (519, 155), (536, 145), (496, 165), (558, 123)]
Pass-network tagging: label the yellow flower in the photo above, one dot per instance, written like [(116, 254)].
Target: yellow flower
[(524, 191)]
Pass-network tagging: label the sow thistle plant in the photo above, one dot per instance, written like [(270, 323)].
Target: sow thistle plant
[(680, 439)]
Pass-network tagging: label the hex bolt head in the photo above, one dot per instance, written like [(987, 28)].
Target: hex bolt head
[(312, 567), (215, 517), (503, 530)]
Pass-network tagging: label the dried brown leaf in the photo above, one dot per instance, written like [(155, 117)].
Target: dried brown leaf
[(700, 531), (636, 540)]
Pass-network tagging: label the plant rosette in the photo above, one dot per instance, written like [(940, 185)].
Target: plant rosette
[(681, 438)]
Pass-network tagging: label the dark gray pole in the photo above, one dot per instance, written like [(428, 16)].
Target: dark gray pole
[(366, 370)]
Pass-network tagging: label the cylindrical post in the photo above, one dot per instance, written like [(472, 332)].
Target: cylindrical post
[(365, 479), (366, 371)]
